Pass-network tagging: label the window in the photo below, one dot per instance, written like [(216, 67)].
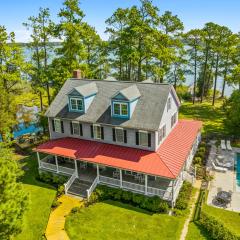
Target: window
[(120, 109), (169, 104), (164, 131), (97, 131), (143, 138), (173, 119), (57, 125), (160, 135), (76, 104), (119, 134), (76, 128)]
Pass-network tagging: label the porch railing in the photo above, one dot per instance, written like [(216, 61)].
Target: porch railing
[(66, 170), (68, 184), (133, 186), (91, 189), (110, 181), (48, 166), (165, 194)]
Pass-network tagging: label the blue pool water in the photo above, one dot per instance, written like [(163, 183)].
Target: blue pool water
[(238, 169)]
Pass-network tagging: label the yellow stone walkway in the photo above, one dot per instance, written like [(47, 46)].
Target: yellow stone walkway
[(55, 228)]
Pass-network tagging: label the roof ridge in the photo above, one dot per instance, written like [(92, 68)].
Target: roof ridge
[(166, 165)]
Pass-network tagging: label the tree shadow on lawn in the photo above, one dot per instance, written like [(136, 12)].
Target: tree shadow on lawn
[(203, 231), (127, 206), (29, 164)]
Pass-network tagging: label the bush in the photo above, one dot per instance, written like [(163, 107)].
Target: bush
[(216, 229), (152, 204), (55, 203), (60, 190), (202, 149), (184, 196), (197, 160), (51, 178), (200, 154)]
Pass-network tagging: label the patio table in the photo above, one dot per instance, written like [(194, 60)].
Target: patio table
[(224, 196)]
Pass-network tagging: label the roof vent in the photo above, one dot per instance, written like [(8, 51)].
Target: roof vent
[(77, 74)]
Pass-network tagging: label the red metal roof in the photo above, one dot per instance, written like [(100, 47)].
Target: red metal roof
[(166, 162)]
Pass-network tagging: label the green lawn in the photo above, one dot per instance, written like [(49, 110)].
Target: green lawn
[(230, 219), (212, 117), (40, 201), (197, 232), (113, 220)]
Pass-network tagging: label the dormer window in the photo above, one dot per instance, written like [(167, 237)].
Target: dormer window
[(124, 102), (76, 104), (120, 109)]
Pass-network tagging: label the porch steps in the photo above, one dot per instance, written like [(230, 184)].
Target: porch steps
[(79, 188)]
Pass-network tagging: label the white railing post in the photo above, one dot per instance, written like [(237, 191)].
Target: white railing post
[(146, 184), (56, 162), (173, 184), (120, 174), (39, 161), (97, 173), (76, 170)]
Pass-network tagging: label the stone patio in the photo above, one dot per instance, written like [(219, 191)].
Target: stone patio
[(224, 182)]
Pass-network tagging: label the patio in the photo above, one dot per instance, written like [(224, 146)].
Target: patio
[(224, 182)]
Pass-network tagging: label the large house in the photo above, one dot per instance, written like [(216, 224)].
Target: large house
[(121, 134)]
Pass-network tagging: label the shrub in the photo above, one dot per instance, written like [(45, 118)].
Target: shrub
[(60, 190), (55, 203), (51, 178), (200, 154), (197, 160), (184, 196), (152, 204), (202, 149), (216, 229)]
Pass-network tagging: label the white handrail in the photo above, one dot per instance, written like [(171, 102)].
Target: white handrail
[(70, 181), (91, 189), (108, 180), (133, 186), (48, 166)]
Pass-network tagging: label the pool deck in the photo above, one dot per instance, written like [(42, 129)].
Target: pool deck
[(226, 182)]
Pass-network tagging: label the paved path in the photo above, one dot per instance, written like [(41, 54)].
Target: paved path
[(185, 227), (55, 228)]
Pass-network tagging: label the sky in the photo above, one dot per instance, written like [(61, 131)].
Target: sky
[(193, 13)]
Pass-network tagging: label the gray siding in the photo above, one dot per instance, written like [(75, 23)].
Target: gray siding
[(131, 135)]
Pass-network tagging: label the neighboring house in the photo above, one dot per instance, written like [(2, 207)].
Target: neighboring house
[(122, 134)]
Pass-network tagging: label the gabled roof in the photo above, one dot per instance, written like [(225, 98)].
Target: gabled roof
[(145, 117), (166, 162), (130, 93), (86, 90)]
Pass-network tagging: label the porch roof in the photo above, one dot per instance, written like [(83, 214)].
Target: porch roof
[(166, 162)]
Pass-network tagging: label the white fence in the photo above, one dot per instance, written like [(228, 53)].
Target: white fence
[(66, 170), (48, 166)]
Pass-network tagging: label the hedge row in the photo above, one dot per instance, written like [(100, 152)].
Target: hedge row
[(152, 204), (184, 196), (216, 229)]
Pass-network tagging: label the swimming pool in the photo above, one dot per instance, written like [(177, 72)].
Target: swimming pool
[(238, 171)]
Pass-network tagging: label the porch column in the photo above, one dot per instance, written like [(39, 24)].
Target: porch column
[(120, 175), (97, 173), (39, 161), (56, 162), (173, 184), (146, 184), (76, 169)]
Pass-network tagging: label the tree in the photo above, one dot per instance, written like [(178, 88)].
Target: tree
[(232, 110), (42, 31), (234, 77), (12, 67), (13, 200), (193, 40)]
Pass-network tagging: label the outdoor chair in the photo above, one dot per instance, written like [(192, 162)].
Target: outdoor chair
[(219, 169), (223, 145), (224, 165), (229, 147)]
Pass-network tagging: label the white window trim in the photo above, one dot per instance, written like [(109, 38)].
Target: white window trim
[(60, 128), (169, 106), (139, 139), (120, 104), (119, 128), (94, 136), (75, 122), (76, 98)]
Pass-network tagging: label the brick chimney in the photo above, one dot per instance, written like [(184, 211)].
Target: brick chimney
[(77, 74)]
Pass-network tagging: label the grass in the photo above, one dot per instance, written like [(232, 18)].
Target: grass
[(40, 200), (113, 220), (230, 219), (197, 232), (212, 117)]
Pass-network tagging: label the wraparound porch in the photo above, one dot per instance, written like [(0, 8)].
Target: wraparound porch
[(94, 174)]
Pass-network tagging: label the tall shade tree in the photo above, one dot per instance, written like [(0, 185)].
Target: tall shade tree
[(41, 28), (193, 40), (12, 66), (13, 200)]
